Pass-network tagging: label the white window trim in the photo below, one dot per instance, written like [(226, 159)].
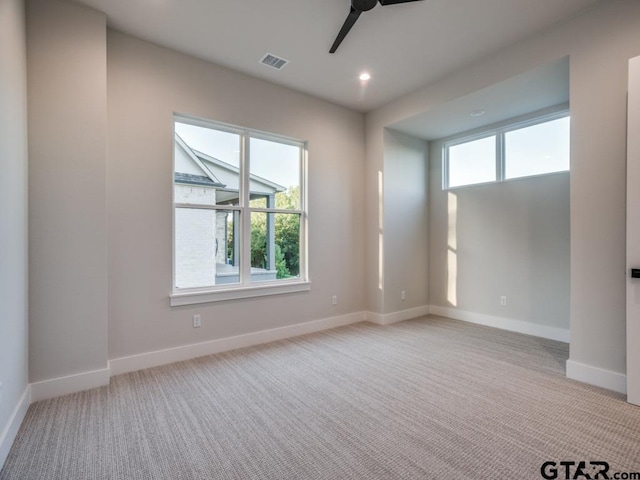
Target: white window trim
[(500, 130), (459, 141), (245, 288), (193, 296)]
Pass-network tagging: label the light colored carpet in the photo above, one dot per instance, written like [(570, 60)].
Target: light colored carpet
[(424, 399)]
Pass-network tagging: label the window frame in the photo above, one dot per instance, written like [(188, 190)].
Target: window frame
[(500, 130), (245, 288), (468, 139)]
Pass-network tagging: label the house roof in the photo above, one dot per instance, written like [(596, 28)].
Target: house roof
[(227, 166), (190, 179), (208, 164), (189, 151)]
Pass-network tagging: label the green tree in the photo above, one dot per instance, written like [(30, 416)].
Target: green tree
[(259, 240), (288, 230), (287, 235), (288, 241), (281, 264)]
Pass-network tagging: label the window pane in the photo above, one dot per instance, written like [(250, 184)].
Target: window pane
[(206, 247), (275, 173), (258, 201), (472, 162), (538, 149), (275, 246), (208, 157), (230, 198), (223, 146)]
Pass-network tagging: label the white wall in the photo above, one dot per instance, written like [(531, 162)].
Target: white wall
[(599, 43), (406, 205), (67, 189), (13, 219), (501, 239), (146, 85)]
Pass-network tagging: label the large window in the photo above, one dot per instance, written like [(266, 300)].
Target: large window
[(536, 146), (239, 213)]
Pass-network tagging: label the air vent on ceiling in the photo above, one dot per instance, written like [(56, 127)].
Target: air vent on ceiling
[(271, 60)]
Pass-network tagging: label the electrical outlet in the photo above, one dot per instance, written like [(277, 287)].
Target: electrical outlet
[(503, 301), (197, 321), (334, 300), (403, 295)]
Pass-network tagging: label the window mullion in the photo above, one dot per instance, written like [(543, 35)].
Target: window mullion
[(500, 163), (276, 210), (206, 207)]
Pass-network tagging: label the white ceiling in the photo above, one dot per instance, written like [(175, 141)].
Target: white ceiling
[(538, 89), (403, 46)]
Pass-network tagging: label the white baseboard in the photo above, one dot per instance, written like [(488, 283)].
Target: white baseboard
[(186, 352), (575, 370), (597, 376), (57, 387), (374, 317), (528, 328), (395, 317), (9, 433)]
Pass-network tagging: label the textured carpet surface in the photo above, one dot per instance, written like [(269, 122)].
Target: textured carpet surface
[(430, 398)]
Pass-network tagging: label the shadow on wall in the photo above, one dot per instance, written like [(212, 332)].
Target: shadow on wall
[(452, 246), (380, 232)]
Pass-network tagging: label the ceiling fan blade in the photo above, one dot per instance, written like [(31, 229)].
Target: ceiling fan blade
[(394, 2), (348, 23)]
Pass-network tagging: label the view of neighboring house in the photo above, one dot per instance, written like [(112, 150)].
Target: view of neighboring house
[(206, 244)]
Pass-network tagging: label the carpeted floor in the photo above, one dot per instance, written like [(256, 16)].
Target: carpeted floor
[(430, 398)]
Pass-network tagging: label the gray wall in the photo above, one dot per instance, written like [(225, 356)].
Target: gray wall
[(13, 211), (406, 204), (510, 238), (147, 84), (103, 256), (599, 43), (67, 189), (68, 185)]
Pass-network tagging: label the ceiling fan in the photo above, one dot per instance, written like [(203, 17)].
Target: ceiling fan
[(357, 7)]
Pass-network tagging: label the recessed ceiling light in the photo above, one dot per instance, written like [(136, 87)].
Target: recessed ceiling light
[(364, 76), (477, 113)]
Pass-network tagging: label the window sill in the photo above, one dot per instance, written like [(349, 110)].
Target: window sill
[(220, 295)]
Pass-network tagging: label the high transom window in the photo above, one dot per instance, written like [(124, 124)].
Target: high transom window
[(536, 146)]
